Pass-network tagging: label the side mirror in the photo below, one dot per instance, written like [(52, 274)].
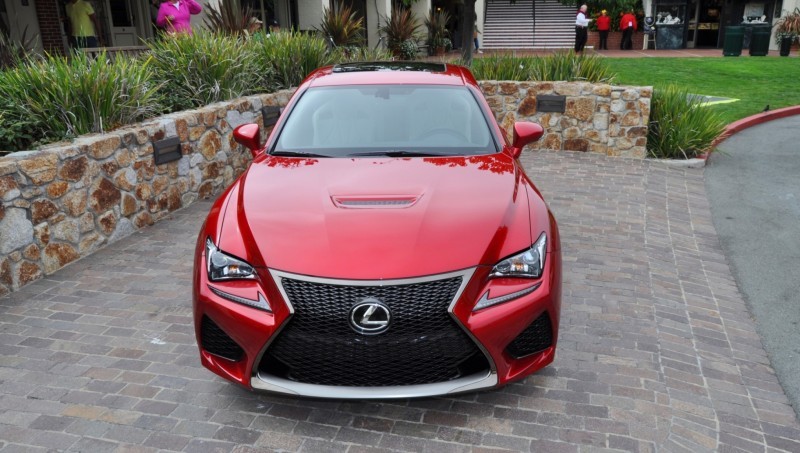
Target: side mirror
[(524, 133), (249, 135)]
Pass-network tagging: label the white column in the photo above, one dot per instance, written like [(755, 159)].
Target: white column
[(647, 5), (377, 12), (309, 13), (479, 10), (23, 20), (421, 10)]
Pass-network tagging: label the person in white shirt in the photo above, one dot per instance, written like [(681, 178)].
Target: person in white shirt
[(581, 29)]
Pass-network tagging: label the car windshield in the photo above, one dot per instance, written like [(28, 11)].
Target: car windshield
[(386, 120)]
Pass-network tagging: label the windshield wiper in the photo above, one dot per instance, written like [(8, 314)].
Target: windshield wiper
[(296, 154), (394, 154)]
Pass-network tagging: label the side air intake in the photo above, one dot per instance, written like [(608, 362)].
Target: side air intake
[(215, 341), (537, 337)]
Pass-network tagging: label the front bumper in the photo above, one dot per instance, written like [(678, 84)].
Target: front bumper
[(495, 332)]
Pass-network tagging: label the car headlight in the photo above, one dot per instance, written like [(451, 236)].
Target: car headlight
[(225, 267), (526, 264)]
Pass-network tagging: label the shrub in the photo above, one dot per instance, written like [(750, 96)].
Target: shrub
[(17, 132), (560, 66), (680, 126), (204, 68), (56, 97), (342, 25), (229, 18), (354, 54), (436, 23), (571, 67), (402, 26), (12, 52), (502, 67), (408, 50), (291, 56), (788, 26)]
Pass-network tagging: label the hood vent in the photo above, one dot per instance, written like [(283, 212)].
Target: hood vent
[(375, 202)]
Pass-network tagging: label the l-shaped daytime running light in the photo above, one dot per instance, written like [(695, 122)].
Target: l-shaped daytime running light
[(261, 303)]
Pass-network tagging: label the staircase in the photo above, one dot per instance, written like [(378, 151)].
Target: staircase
[(508, 25), (547, 24)]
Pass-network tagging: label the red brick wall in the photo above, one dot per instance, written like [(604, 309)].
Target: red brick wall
[(614, 39), (49, 25)]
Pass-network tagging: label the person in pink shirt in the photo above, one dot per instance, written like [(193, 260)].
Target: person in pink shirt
[(174, 15)]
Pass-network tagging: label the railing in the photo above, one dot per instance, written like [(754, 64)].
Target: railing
[(112, 52)]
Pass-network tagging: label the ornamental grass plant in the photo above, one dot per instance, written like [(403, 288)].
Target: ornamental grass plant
[(681, 126), (291, 56), (559, 66), (402, 26), (204, 68), (230, 17), (57, 97), (355, 54), (342, 25)]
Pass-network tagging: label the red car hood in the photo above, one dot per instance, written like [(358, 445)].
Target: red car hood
[(381, 218)]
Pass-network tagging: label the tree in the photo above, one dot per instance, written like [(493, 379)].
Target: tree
[(468, 18)]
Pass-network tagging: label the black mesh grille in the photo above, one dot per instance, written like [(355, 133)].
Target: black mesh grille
[(423, 344), (535, 338), (214, 340)]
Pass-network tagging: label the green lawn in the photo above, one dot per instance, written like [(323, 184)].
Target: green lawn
[(756, 82)]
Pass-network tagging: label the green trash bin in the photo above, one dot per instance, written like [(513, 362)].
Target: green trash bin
[(759, 41), (734, 37)]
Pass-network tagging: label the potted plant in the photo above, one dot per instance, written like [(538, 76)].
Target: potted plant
[(787, 28), (399, 29), (438, 36), (342, 25)]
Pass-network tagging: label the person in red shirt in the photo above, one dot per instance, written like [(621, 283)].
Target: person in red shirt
[(628, 25), (603, 25)]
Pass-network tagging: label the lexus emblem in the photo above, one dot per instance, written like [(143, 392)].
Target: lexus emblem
[(370, 317)]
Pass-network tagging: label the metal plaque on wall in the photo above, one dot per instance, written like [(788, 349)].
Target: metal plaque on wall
[(270, 115), (551, 103), (167, 150)]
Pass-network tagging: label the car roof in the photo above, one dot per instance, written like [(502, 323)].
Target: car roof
[(392, 72)]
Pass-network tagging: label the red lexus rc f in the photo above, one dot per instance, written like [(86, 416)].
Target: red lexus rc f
[(385, 242)]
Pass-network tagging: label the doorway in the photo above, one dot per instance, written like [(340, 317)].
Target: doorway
[(128, 22)]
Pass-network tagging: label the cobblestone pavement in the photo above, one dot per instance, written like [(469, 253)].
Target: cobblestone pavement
[(657, 350)]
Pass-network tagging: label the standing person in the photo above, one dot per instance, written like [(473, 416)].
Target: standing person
[(603, 25), (628, 25), (581, 29), (83, 24), (475, 34), (175, 15)]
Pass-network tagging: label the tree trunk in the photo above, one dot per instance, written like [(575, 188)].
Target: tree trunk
[(468, 18)]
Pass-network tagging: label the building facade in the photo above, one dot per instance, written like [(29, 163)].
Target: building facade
[(699, 23)]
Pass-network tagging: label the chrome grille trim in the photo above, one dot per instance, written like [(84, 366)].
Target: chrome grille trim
[(285, 386)]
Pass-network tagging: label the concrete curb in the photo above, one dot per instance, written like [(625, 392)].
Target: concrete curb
[(699, 162), (750, 121)]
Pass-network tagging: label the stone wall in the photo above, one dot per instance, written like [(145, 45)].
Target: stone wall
[(598, 118), (65, 201)]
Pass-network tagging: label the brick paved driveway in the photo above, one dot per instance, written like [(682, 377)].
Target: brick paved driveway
[(657, 350)]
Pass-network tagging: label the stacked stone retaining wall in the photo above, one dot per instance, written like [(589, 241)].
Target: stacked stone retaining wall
[(597, 118), (67, 200)]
